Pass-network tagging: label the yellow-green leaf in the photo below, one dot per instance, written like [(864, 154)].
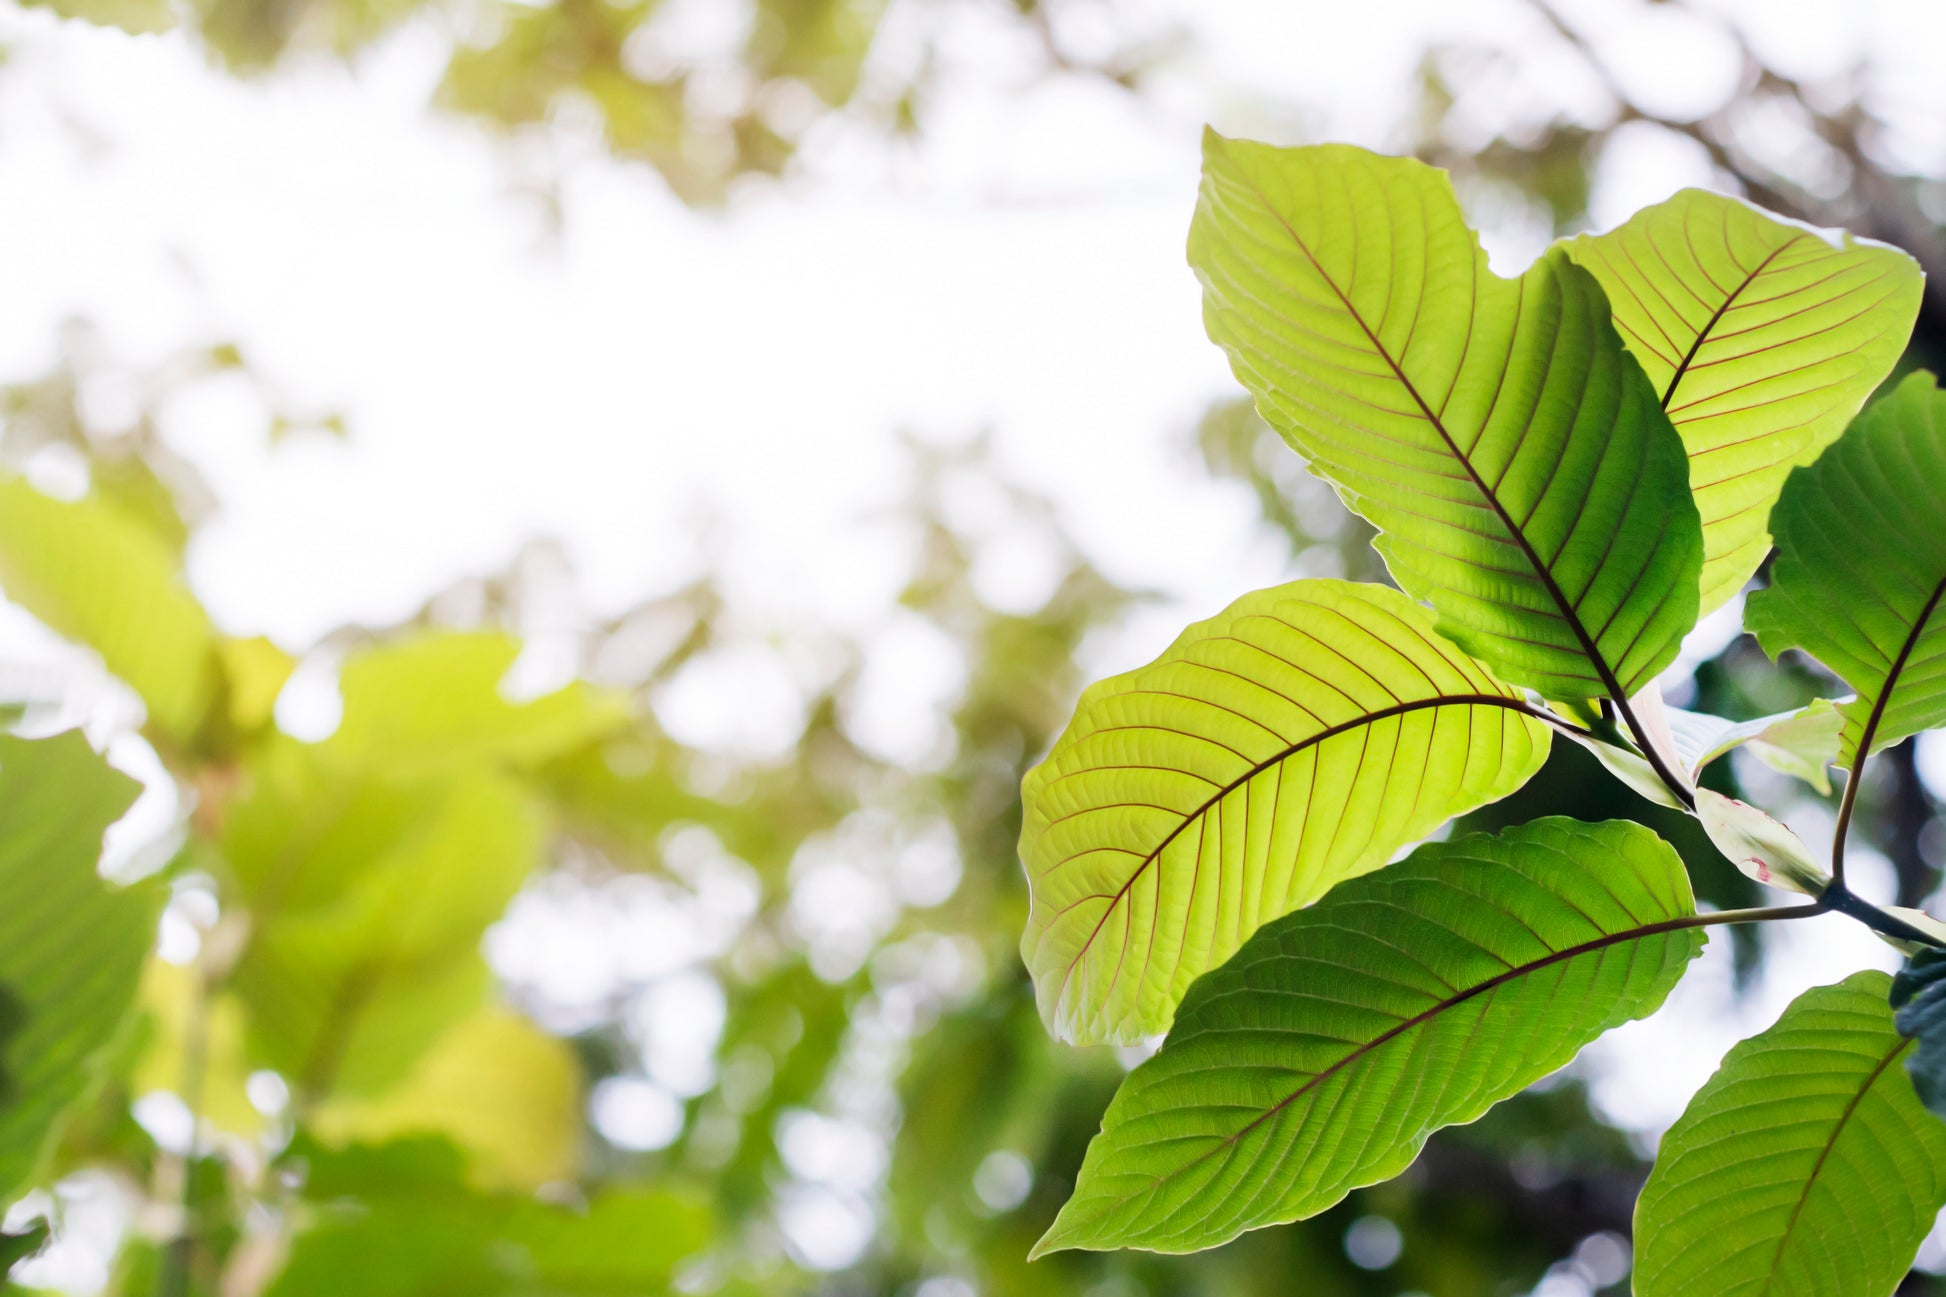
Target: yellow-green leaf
[(1762, 336), (507, 1093), (1525, 481), (1298, 738), (97, 576)]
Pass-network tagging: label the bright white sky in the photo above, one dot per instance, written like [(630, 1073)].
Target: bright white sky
[(1021, 271)]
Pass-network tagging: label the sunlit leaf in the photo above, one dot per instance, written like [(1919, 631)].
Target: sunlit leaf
[(99, 577), (1861, 568), (71, 945), (1512, 454), (1804, 1168), (1321, 1057), (1298, 738), (1762, 337), (500, 1088)]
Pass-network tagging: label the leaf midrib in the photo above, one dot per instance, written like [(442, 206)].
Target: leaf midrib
[(1344, 727), (1824, 1154), (1569, 612), (1682, 369), (1879, 703), (1602, 942)]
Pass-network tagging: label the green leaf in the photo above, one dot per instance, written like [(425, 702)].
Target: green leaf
[(1861, 568), (97, 576), (15, 1248), (375, 860), (499, 1087), (1298, 738), (1762, 336), (395, 1221), (1804, 1168), (429, 703), (184, 1018), (71, 945), (1321, 1057), (366, 946), (134, 16), (1919, 995), (1511, 452)]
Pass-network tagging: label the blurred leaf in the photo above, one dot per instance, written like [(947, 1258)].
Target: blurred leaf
[(1477, 438), (1339, 1037), (1762, 336), (1298, 738), (392, 1222), (169, 996), (504, 1091), (428, 704), (792, 1026), (133, 16), (98, 577), (628, 1241), (1861, 568), (71, 945), (410, 1165), (366, 945), (254, 673), (15, 1248), (1804, 1168)]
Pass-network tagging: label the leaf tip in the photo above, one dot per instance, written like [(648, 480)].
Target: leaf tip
[(1051, 1241)]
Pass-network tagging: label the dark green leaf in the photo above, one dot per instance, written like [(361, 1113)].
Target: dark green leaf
[(1919, 995), (1861, 568), (1804, 1168), (1321, 1057)]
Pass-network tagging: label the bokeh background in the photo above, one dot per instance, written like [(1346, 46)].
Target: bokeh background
[(578, 513)]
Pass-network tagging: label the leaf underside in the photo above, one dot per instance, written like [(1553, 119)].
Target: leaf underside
[(1762, 336), (1512, 454), (1806, 1167), (1861, 568), (1297, 739), (1321, 1057), (1801, 743)]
